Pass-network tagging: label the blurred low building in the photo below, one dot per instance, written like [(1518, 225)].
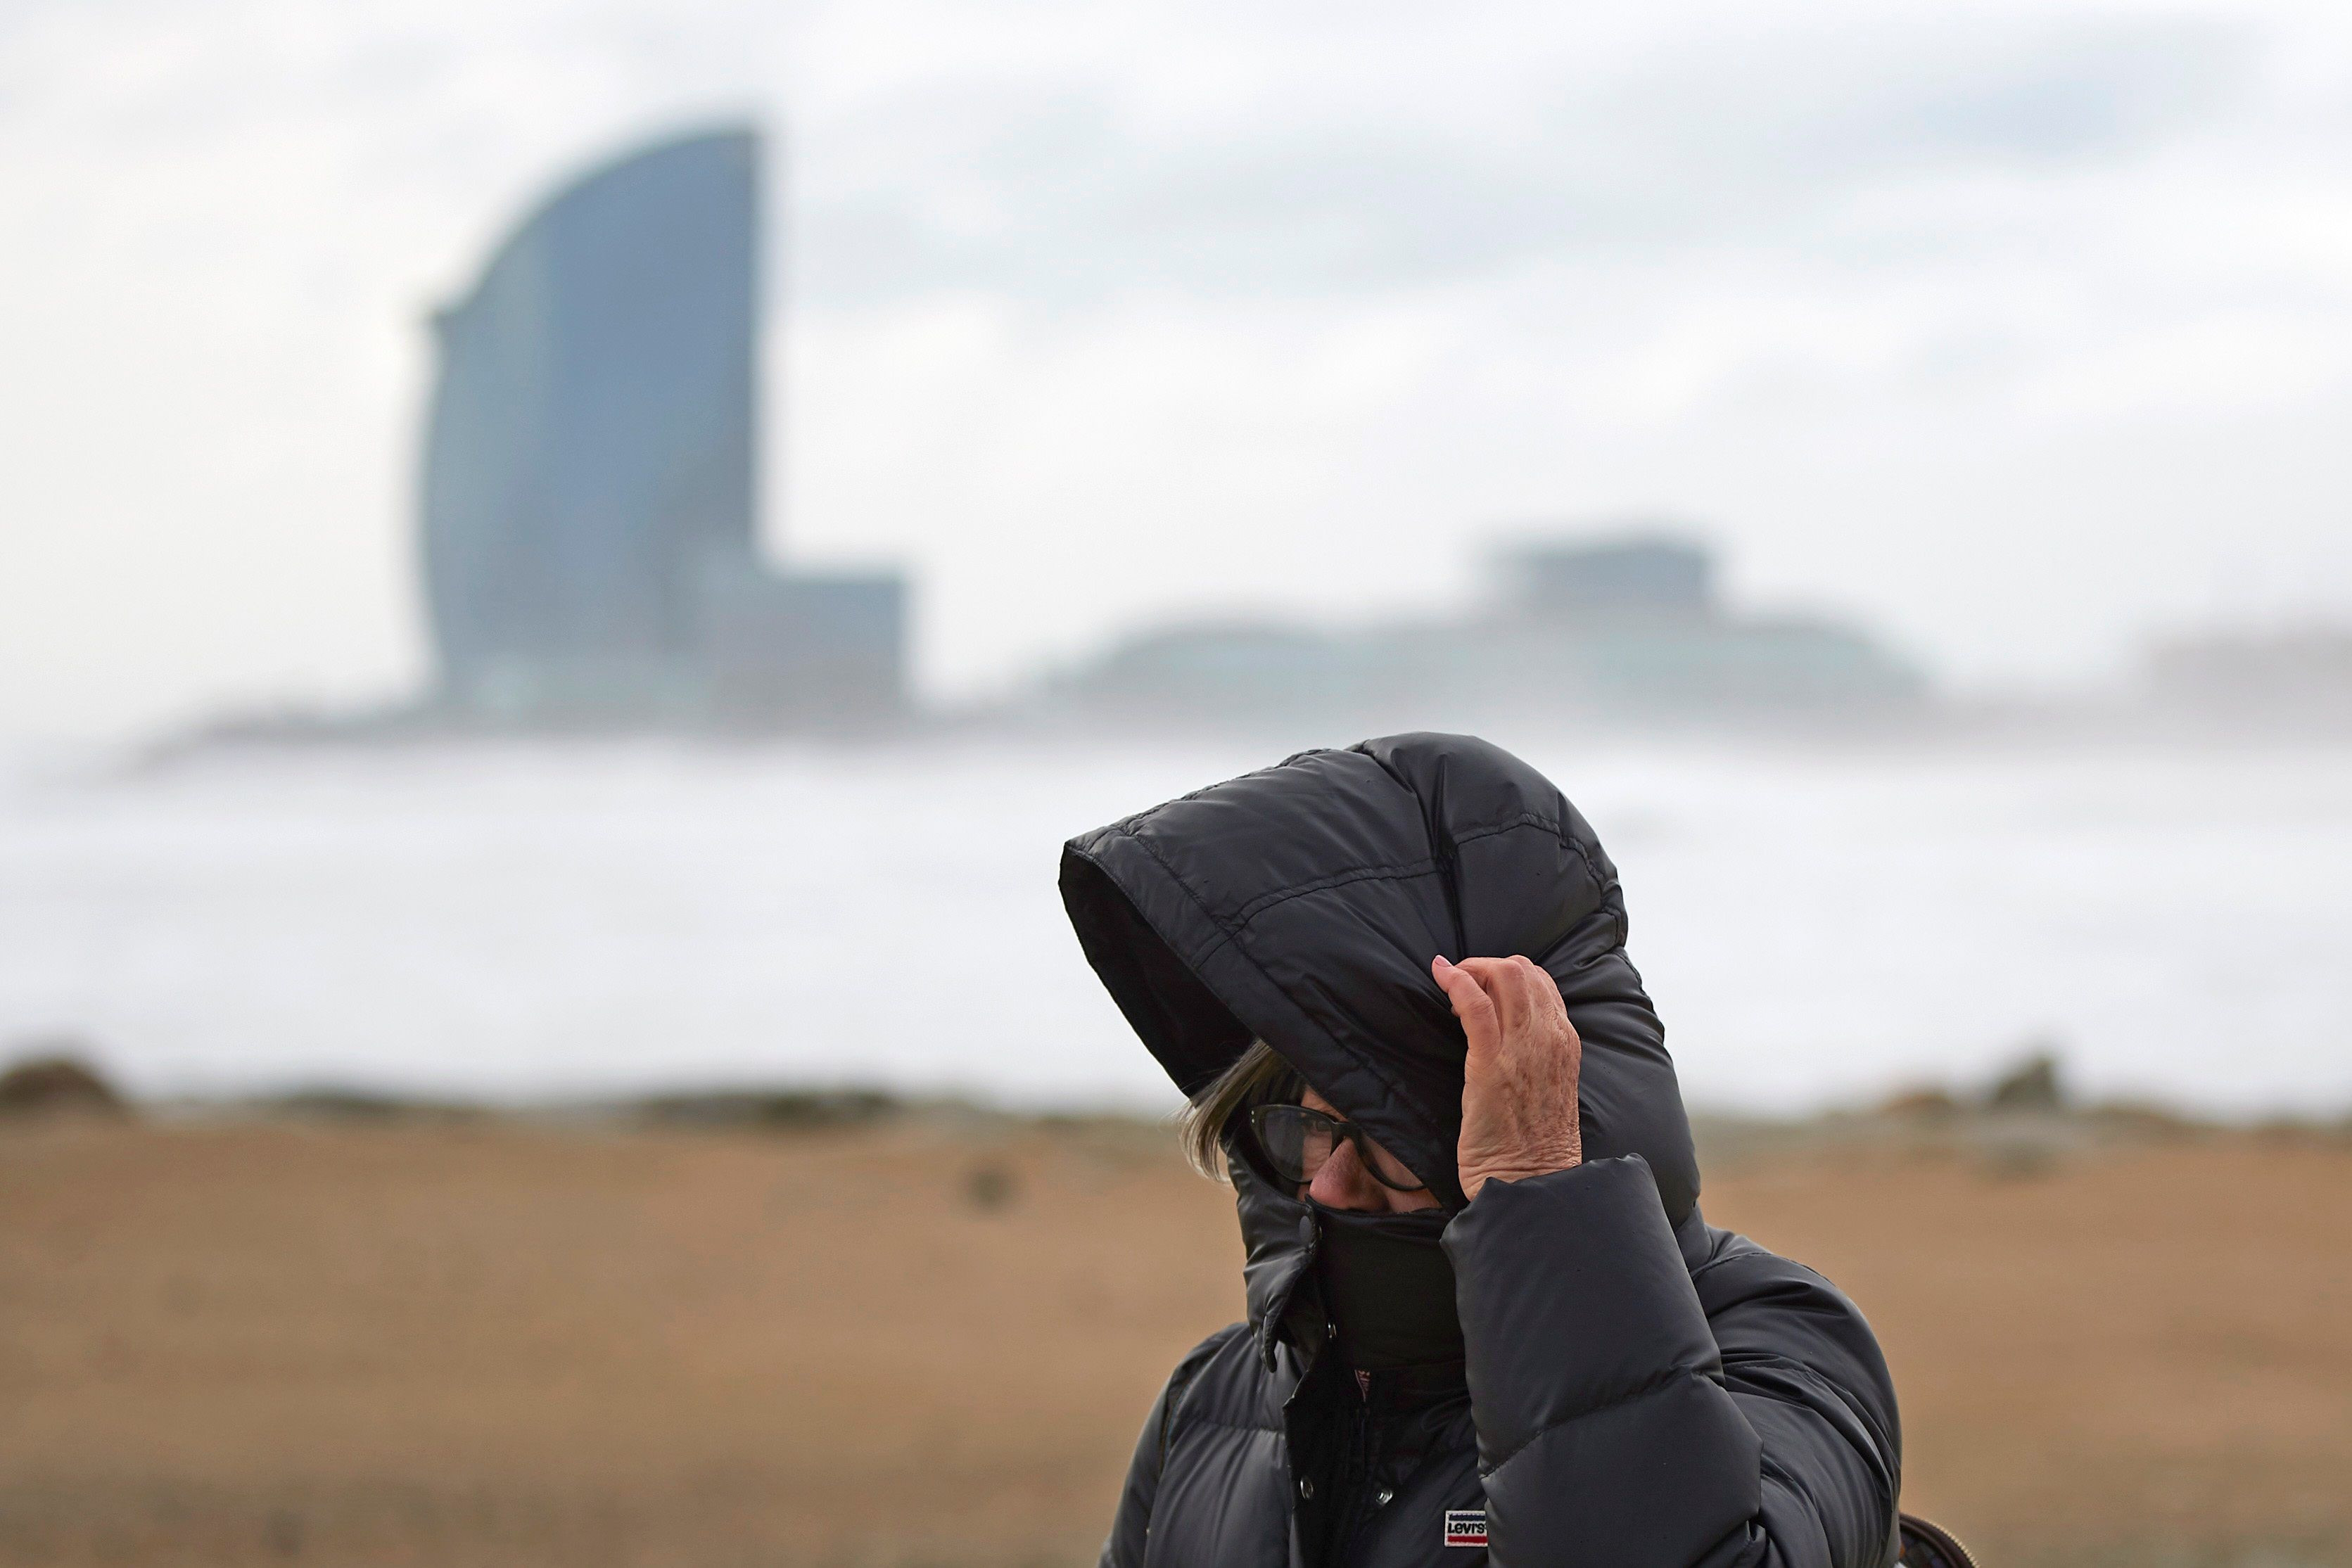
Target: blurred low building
[(1626, 627), (591, 487), (2288, 679), (1654, 577)]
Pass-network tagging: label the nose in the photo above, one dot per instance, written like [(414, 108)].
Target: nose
[(1344, 1183)]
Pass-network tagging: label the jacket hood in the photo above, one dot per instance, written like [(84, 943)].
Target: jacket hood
[(1301, 905)]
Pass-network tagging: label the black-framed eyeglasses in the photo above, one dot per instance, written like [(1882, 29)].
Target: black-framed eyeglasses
[(1297, 1141)]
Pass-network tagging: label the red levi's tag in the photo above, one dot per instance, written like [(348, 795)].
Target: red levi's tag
[(1466, 1527)]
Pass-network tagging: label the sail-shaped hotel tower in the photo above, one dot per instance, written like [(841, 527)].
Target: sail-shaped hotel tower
[(591, 481)]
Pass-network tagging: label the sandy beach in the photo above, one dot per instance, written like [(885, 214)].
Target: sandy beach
[(931, 1341)]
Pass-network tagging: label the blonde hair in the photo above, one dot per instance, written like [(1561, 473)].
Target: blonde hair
[(1259, 1077)]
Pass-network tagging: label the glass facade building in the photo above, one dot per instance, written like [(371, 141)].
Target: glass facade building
[(590, 493)]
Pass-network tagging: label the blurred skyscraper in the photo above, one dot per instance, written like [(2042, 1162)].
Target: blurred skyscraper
[(591, 482)]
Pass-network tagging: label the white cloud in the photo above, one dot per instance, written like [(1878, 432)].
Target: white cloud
[(2017, 327)]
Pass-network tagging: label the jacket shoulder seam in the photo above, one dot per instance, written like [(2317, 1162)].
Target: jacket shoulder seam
[(1187, 1375), (1886, 1447), (1236, 1425), (1752, 1252)]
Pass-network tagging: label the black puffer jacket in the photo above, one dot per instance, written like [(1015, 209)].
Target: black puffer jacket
[(1639, 1388)]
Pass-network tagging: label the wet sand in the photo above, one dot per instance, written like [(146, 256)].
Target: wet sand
[(932, 1342)]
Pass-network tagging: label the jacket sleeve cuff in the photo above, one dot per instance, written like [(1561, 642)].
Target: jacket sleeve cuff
[(1573, 1298)]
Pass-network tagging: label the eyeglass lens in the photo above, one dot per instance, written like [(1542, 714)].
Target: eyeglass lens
[(1298, 1142)]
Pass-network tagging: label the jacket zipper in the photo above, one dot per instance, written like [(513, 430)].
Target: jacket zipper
[(1356, 1488)]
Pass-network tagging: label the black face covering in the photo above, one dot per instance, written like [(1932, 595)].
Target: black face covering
[(1389, 1287)]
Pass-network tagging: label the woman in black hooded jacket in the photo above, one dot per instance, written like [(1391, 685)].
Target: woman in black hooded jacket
[(1572, 1369)]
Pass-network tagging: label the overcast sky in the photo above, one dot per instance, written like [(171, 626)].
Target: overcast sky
[(2021, 330)]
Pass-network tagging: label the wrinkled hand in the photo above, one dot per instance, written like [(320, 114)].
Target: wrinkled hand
[(1519, 1090)]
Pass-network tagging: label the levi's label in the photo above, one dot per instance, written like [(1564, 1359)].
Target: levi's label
[(1466, 1527)]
